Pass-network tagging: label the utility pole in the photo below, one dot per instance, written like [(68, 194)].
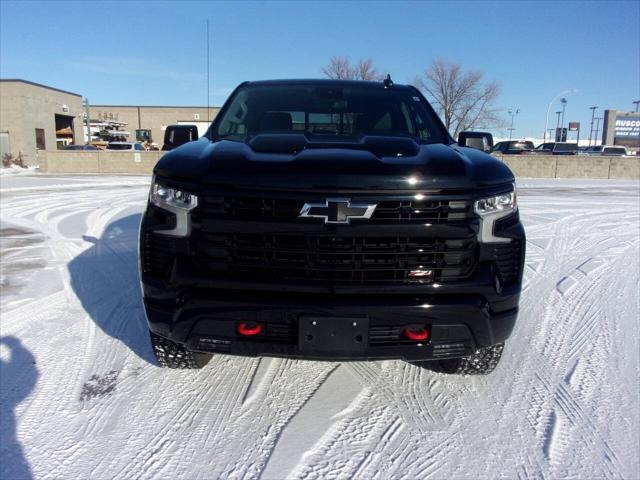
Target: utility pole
[(597, 129), (208, 90), (557, 127), (86, 112), (593, 112), (636, 103), (513, 114)]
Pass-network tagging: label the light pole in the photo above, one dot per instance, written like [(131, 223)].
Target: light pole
[(593, 112), (513, 114), (557, 125), (563, 101), (636, 103), (546, 122), (597, 130), (86, 109)]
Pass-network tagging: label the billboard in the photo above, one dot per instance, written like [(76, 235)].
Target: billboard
[(627, 127), (574, 126)]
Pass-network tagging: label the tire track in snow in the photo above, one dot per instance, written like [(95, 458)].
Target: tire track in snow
[(420, 411), (370, 439), (574, 328), (230, 376)]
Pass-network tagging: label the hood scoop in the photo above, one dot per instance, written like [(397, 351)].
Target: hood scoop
[(380, 146)]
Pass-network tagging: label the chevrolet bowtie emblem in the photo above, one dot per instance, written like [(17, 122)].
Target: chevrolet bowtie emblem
[(337, 210)]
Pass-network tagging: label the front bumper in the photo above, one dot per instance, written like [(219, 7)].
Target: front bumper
[(459, 320)]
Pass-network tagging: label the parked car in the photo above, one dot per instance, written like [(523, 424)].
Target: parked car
[(246, 247), (124, 146), (513, 147), (81, 147), (557, 148), (609, 150)]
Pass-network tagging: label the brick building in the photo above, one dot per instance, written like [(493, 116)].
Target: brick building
[(37, 117)]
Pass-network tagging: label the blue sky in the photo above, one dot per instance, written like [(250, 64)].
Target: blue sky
[(153, 53)]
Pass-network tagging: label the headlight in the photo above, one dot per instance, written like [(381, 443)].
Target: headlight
[(164, 197), (499, 203), (178, 202), (491, 209)]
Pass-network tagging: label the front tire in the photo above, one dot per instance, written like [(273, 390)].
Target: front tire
[(481, 362), (170, 354)]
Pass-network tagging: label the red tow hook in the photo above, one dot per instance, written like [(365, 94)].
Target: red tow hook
[(416, 333), (249, 329)]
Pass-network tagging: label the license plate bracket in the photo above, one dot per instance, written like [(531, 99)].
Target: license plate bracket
[(333, 335)]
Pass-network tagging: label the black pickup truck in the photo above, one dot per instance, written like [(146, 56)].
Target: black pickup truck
[(333, 220)]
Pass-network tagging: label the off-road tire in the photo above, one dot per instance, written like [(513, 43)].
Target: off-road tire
[(482, 362), (174, 355)]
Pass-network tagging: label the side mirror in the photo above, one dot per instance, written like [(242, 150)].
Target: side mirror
[(176, 135), (478, 140)]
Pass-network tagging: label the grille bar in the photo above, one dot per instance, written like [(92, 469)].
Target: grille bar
[(334, 259)]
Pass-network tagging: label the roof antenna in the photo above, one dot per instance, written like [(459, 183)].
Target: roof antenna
[(388, 82)]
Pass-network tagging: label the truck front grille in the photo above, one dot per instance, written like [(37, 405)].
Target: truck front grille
[(287, 209), (335, 259)]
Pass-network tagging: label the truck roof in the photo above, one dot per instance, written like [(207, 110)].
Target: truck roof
[(326, 82)]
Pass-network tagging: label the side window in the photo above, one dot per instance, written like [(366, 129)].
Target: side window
[(614, 151), (234, 123), (421, 124), (40, 144), (407, 118), (324, 123)]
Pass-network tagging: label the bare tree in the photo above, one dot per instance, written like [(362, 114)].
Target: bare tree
[(463, 100), (340, 68)]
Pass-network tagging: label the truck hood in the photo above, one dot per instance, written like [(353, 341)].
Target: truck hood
[(294, 162)]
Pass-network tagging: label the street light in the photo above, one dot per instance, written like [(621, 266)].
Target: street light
[(557, 125), (513, 114), (85, 103), (593, 112), (563, 101), (546, 122), (597, 129)]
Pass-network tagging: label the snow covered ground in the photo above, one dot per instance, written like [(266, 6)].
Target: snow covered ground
[(81, 397)]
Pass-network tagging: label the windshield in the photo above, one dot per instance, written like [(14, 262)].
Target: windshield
[(328, 111)]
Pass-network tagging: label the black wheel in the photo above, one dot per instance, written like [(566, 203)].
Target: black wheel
[(174, 355), (482, 362)]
